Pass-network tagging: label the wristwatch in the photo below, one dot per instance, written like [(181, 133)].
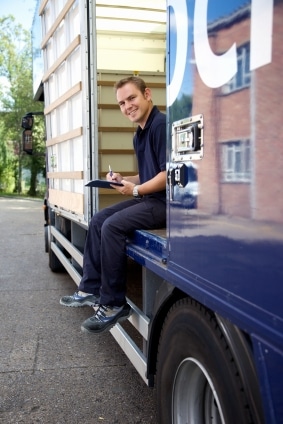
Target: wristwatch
[(136, 192)]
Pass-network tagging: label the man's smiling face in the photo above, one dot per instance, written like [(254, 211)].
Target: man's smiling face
[(134, 104)]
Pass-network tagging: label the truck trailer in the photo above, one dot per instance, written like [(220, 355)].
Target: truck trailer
[(208, 329)]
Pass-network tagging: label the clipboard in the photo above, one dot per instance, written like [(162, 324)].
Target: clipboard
[(102, 184)]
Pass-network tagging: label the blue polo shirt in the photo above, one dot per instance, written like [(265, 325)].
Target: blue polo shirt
[(150, 148)]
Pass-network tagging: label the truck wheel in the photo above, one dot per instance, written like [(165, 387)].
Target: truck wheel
[(197, 380), (54, 264), (46, 238)]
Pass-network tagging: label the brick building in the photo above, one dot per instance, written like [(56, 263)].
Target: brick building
[(243, 145)]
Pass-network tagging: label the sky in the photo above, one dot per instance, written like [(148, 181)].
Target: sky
[(22, 10)]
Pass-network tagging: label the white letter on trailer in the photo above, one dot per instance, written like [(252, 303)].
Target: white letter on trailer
[(214, 70), (182, 24), (261, 33)]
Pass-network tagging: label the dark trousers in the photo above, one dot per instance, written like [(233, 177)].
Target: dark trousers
[(105, 260)]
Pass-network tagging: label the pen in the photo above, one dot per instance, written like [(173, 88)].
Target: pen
[(110, 171)]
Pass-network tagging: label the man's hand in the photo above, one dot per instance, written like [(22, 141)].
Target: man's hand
[(126, 189), (115, 177), (156, 184)]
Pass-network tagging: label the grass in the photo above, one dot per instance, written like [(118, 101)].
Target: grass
[(39, 196)]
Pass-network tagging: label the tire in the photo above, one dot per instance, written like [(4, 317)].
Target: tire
[(46, 238), (54, 264), (197, 381)]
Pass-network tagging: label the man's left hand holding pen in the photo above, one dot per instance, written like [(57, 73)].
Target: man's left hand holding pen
[(128, 186), (113, 176)]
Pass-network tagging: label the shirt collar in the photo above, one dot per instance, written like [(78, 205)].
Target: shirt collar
[(150, 118)]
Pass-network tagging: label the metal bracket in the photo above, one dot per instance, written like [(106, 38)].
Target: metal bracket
[(187, 139)]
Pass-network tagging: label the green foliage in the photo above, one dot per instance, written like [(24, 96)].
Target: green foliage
[(16, 99), (181, 108), (36, 162), (6, 162)]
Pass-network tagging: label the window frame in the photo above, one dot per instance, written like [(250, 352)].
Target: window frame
[(242, 79), (236, 161)]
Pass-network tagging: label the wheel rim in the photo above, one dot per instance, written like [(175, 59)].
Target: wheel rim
[(194, 398)]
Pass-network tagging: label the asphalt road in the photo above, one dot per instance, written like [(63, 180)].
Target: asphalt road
[(51, 372)]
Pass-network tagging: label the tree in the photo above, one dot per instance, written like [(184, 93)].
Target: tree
[(6, 161), (36, 162), (181, 108), (16, 98)]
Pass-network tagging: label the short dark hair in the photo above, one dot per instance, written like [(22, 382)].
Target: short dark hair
[(137, 81)]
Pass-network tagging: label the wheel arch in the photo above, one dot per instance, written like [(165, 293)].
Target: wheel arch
[(238, 341), (240, 345), (166, 296)]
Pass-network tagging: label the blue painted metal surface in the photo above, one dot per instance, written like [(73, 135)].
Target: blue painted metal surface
[(225, 223), (227, 250)]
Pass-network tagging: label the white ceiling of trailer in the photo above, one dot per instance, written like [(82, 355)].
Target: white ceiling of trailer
[(146, 16), (140, 4)]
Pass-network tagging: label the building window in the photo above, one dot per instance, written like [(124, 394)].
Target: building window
[(242, 78), (236, 161)]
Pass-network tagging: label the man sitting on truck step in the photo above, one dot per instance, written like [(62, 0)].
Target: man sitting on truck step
[(103, 284)]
